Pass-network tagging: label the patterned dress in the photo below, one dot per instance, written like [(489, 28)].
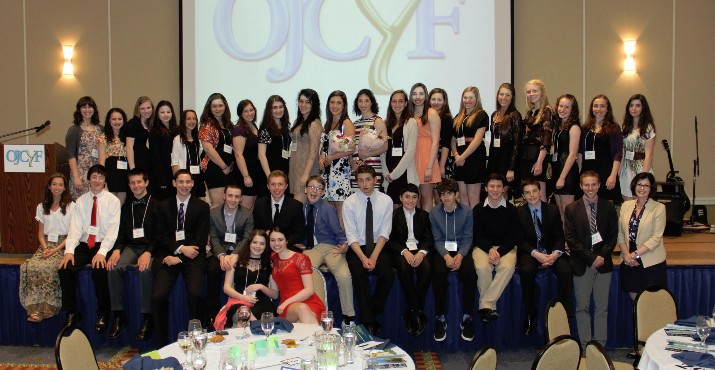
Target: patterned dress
[(287, 275), (87, 156), (336, 174), (116, 151), (361, 124), (633, 142)]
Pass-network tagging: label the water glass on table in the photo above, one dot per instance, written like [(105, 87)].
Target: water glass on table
[(349, 342), (185, 344), (703, 329), (326, 321), (243, 316), (267, 323), (194, 325), (200, 337)]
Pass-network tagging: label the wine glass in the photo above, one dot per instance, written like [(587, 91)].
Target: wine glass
[(703, 329), (198, 360), (200, 338), (267, 323), (243, 315), (184, 341), (194, 326), (326, 321), (349, 342)]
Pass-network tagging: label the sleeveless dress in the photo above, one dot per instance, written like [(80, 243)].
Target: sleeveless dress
[(275, 144), (336, 174), (424, 142), (253, 165), (361, 124), (445, 141), (608, 148), (300, 156), (396, 141), (87, 156), (243, 276), (140, 135), (561, 141), (116, 179), (474, 169), (633, 142), (287, 275)]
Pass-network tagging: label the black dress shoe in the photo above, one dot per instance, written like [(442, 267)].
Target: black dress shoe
[(529, 324), (408, 321), (421, 323), (102, 322), (72, 318), (144, 330), (484, 314), (117, 326)]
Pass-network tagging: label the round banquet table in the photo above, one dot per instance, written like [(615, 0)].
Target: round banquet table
[(656, 357), (272, 360)]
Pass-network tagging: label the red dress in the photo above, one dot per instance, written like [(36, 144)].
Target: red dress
[(287, 275)]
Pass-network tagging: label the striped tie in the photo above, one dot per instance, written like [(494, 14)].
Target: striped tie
[(594, 228)]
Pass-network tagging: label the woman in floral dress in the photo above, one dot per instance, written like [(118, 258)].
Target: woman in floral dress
[(81, 144), (113, 153), (335, 162)]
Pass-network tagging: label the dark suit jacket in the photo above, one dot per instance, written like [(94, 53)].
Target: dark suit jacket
[(421, 227), (552, 232), (126, 229), (578, 235), (242, 226), (196, 228), (290, 219)]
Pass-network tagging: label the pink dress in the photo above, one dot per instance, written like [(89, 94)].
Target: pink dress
[(424, 143), (287, 275)]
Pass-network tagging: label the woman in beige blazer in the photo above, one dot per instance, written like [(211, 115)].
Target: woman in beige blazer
[(640, 238)]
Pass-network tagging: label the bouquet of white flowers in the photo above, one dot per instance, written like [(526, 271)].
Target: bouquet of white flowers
[(371, 139), (338, 142)]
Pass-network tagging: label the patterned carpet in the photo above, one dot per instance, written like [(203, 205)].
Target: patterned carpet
[(42, 358), (427, 361)]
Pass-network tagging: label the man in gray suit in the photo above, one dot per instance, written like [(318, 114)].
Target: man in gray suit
[(591, 229), (224, 240)]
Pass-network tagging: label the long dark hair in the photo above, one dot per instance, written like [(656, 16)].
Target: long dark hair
[(445, 111), (423, 119), (269, 123), (304, 123), (244, 253), (645, 120), (242, 123), (208, 117), (158, 127), (574, 117), (109, 131), (391, 120), (77, 116), (374, 107), (609, 125), (182, 127), (329, 115), (65, 197)]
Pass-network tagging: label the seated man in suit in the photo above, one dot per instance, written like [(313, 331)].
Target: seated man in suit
[(230, 226), (134, 246), (496, 233), (541, 246), (325, 242), (591, 230), (184, 232), (367, 215), (279, 210), (410, 241), (452, 228), (92, 232)]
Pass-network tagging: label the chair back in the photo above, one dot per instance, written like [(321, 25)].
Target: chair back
[(557, 321), (485, 359), (653, 308), (563, 353), (319, 287), (73, 350), (597, 358)]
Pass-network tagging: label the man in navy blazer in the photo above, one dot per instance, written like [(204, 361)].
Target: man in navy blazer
[(280, 210), (183, 233), (541, 246)]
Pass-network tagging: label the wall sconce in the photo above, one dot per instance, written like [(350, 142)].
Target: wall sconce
[(629, 65), (67, 68)]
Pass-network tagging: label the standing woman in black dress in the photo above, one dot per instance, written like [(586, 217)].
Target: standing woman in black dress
[(215, 137), (439, 101), (161, 140), (113, 154), (504, 145), (602, 147), (273, 136), (186, 151), (536, 135), (138, 135), (245, 145), (567, 134), (470, 154)]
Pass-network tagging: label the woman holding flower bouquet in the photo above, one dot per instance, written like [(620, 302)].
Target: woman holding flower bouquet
[(370, 131), (338, 145)]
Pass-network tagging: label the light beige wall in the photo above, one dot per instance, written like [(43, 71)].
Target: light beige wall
[(574, 46)]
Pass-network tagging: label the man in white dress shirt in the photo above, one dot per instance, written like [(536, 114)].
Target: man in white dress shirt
[(92, 233)]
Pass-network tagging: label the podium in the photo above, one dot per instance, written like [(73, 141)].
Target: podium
[(21, 192)]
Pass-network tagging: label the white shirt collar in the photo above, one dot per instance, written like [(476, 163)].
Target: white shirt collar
[(279, 202), (179, 201), (502, 203)]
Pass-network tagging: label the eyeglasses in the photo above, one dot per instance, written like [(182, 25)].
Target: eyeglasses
[(316, 188)]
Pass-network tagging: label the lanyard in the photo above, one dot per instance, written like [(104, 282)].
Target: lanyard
[(189, 157), (454, 225), (257, 273), (557, 134), (593, 145), (143, 217)]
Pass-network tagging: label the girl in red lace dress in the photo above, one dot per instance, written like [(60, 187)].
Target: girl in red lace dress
[(292, 273)]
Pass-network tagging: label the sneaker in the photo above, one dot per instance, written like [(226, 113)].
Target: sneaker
[(440, 330), (467, 329)]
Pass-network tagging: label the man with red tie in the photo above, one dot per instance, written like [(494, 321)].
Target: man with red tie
[(92, 232)]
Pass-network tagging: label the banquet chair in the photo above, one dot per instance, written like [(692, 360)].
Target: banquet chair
[(563, 353), (653, 308), (485, 359), (597, 358), (557, 321), (73, 350), (319, 287)]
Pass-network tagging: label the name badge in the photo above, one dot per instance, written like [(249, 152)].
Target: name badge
[(596, 238), (53, 237), (488, 136), (138, 233), (461, 141), (227, 148), (630, 155), (230, 238), (92, 230), (397, 152), (95, 153), (450, 246), (497, 143), (249, 294), (285, 154), (590, 154), (293, 147), (411, 245), (180, 235), (194, 170), (122, 165)]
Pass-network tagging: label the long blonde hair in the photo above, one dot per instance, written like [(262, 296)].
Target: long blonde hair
[(463, 111), (544, 99)]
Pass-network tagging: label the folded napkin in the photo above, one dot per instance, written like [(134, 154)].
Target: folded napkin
[(364, 336), (279, 323), (703, 360), (140, 362), (690, 321)]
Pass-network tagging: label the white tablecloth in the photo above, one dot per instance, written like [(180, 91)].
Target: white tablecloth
[(656, 357), (271, 360)]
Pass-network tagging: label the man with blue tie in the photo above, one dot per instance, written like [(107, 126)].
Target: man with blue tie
[(541, 246)]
